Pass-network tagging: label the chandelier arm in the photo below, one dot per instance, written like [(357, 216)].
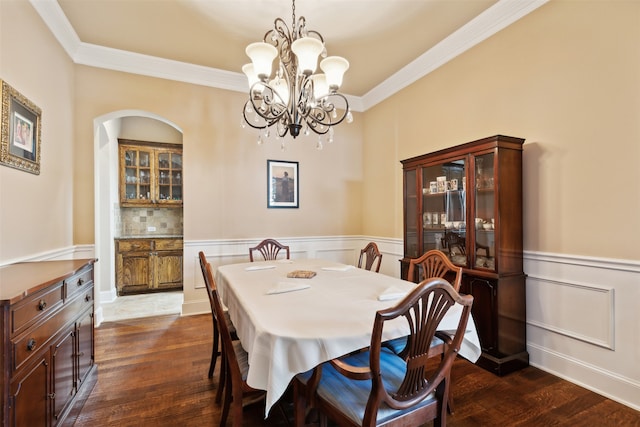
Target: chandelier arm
[(271, 107), (267, 105), (325, 107)]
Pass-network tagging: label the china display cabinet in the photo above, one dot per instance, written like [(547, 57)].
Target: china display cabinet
[(150, 174), (467, 202)]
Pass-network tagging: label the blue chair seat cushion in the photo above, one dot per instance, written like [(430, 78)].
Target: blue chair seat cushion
[(350, 396), (398, 344)]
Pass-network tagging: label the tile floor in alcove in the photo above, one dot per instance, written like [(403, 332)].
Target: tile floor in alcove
[(143, 305)]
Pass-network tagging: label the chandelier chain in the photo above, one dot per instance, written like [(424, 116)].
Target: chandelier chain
[(293, 15)]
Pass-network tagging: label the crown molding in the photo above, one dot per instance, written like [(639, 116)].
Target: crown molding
[(494, 19), (500, 15)]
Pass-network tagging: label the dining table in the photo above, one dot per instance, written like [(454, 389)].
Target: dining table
[(289, 325)]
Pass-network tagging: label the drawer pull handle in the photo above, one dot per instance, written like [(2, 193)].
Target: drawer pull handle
[(80, 282), (42, 305), (31, 344), (87, 298)]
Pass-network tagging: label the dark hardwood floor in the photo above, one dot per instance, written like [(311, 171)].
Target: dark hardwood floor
[(153, 372)]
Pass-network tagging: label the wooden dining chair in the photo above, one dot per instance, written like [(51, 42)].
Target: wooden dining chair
[(371, 256), (238, 393), (215, 352), (435, 263), (269, 248), (377, 387)]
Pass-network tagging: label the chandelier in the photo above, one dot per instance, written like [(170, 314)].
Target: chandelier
[(293, 97)]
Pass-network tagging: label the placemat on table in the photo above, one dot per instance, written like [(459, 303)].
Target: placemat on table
[(301, 274)]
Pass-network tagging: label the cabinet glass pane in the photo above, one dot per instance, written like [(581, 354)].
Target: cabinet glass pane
[(145, 160), (444, 210), (169, 176), (137, 175), (176, 161), (485, 212), (411, 214)]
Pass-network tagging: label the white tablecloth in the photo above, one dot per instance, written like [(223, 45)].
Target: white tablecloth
[(291, 332)]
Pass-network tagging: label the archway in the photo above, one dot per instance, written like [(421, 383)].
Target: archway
[(106, 130)]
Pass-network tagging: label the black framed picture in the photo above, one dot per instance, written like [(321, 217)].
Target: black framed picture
[(282, 184), (20, 133)]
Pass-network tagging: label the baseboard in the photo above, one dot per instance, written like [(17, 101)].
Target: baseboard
[(190, 308), (594, 378)]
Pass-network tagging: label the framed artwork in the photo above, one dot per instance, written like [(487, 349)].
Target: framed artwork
[(282, 184), (20, 131)]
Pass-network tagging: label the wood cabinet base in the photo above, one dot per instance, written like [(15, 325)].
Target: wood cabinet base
[(503, 365)]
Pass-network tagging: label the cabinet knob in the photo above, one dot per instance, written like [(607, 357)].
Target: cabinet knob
[(51, 396), (31, 344), (80, 282), (42, 305), (87, 298)]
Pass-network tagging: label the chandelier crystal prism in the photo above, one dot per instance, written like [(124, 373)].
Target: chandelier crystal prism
[(292, 98)]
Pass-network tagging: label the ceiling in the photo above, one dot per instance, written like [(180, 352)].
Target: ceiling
[(380, 38)]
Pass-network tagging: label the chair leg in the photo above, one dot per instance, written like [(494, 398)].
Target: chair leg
[(222, 381), (227, 400), (450, 407), (236, 408), (214, 352), (299, 404)]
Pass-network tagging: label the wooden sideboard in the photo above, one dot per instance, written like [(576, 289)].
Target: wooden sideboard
[(47, 345)]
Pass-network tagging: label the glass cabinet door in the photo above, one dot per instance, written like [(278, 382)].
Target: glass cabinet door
[(444, 210), (485, 212), (411, 214), (169, 177), (137, 175)]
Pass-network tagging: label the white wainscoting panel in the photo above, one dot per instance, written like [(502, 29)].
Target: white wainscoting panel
[(581, 311), (583, 322)]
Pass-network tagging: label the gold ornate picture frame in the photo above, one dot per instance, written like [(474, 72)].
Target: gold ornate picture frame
[(20, 131)]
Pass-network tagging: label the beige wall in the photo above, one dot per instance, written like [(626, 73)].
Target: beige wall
[(567, 79), (36, 211), (225, 169)]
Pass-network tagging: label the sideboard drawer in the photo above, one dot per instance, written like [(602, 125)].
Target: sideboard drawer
[(30, 342), (35, 307), (79, 282)]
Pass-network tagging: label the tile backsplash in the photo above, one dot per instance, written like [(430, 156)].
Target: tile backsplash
[(139, 221)]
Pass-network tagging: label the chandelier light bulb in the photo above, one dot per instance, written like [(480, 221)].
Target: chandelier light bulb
[(252, 77), (307, 50), (262, 55), (281, 87), (320, 87), (334, 68)]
